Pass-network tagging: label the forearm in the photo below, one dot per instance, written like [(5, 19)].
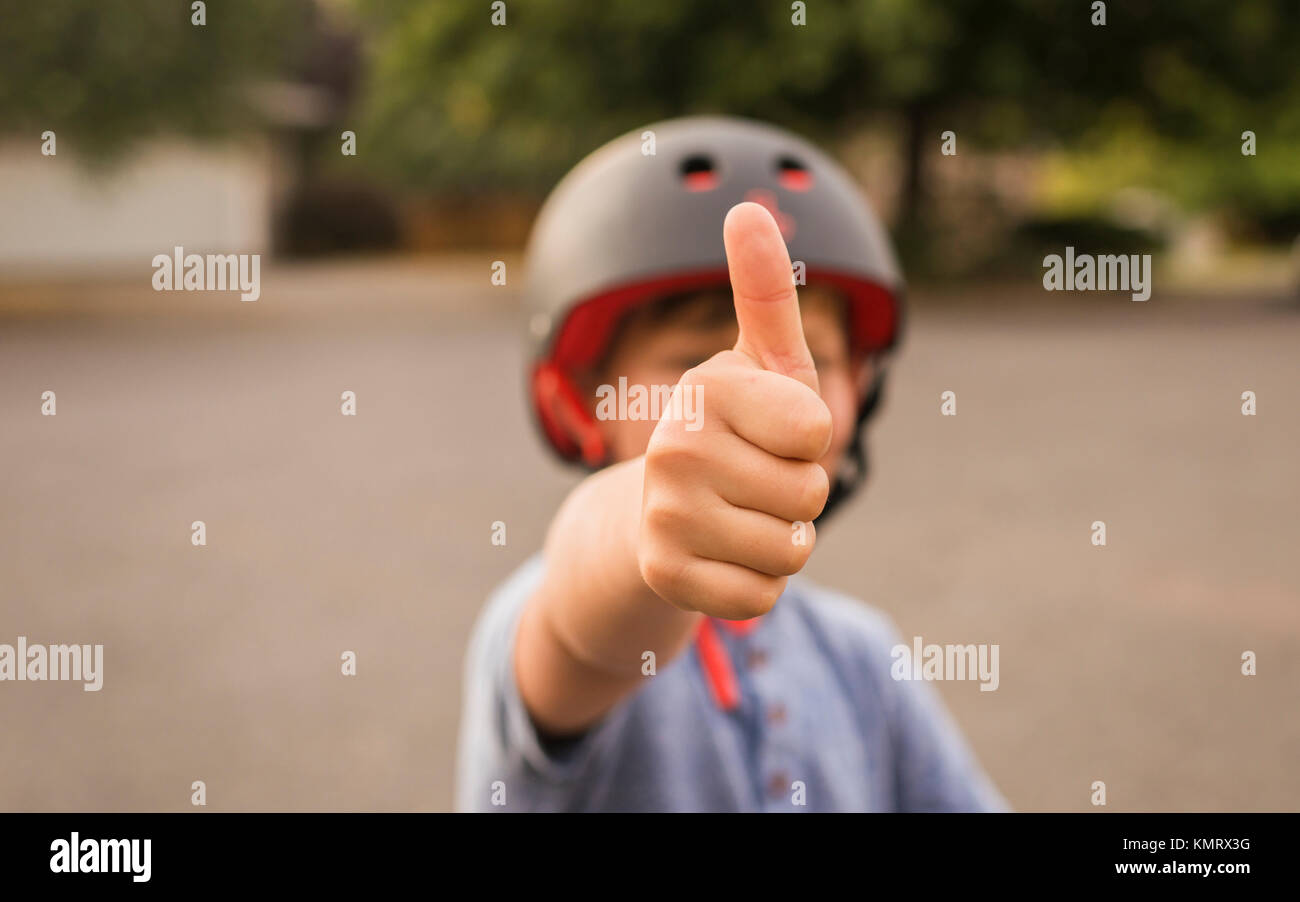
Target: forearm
[(584, 632)]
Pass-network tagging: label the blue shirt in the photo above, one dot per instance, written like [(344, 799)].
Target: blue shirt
[(821, 725)]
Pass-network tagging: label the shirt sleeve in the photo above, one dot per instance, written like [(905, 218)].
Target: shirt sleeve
[(502, 762)]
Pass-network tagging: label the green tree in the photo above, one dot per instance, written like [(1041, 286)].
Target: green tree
[(465, 106), (103, 74)]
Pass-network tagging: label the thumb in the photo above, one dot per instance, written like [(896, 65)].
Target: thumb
[(767, 305)]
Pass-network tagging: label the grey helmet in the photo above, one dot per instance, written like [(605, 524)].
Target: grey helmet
[(641, 218)]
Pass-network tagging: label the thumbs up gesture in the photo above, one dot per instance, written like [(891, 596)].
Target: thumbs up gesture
[(722, 505)]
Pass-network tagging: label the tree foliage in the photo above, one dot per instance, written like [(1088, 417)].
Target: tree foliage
[(103, 74), (463, 105)]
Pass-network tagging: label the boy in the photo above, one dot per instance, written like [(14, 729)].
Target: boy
[(658, 656)]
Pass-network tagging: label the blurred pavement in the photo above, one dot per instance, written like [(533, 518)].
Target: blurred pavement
[(372, 534)]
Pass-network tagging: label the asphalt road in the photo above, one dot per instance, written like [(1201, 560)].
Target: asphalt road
[(373, 534)]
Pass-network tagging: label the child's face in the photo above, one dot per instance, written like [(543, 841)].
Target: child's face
[(656, 350)]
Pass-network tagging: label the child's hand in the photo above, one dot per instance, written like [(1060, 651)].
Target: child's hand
[(726, 509)]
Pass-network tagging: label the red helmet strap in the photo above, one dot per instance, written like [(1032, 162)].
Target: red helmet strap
[(564, 417)]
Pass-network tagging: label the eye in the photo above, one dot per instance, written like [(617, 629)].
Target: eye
[(792, 174)]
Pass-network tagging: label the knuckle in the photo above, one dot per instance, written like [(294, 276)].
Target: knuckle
[(795, 554), (786, 564), (724, 369), (731, 361), (671, 447), (707, 372), (738, 603), (821, 427), (816, 490), (696, 375), (663, 574), (750, 597), (661, 514), (812, 428), (770, 589)]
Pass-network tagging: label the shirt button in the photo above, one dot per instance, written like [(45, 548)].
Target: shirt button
[(756, 658), (776, 714), (778, 785)]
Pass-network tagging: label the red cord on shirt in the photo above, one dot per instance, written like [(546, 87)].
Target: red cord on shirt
[(718, 669)]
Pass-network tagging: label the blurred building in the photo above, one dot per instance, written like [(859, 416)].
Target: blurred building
[(242, 194), (62, 213)]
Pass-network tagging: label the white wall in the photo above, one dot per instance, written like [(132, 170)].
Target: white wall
[(57, 213)]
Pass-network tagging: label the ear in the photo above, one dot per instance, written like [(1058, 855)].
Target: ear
[(566, 420), (864, 373)]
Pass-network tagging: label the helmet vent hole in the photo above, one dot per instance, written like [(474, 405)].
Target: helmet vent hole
[(792, 174), (698, 173)]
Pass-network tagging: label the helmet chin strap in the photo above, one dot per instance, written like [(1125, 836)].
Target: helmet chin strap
[(853, 469), (852, 473)]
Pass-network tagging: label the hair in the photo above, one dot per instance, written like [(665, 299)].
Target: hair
[(717, 309)]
